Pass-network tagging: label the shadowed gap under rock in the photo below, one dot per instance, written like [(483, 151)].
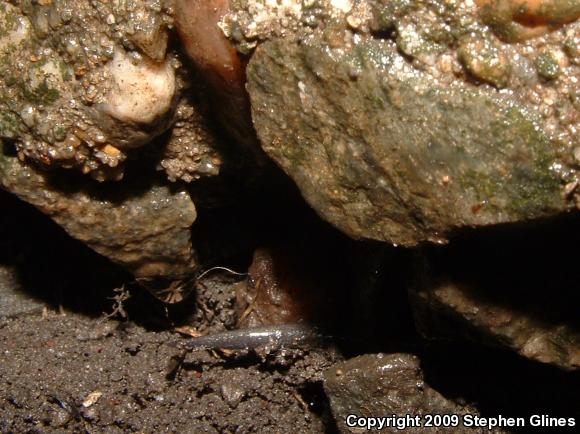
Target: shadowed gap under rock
[(526, 267)]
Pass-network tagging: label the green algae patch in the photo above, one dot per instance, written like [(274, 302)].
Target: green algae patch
[(388, 153)]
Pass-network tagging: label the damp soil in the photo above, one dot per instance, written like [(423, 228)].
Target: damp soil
[(91, 351), (77, 374), (88, 350)]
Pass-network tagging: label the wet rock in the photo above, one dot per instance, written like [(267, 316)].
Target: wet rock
[(232, 394), (445, 307), (272, 295), (548, 64), (289, 284), (83, 83), (146, 27), (190, 152), (517, 296), (249, 22), (385, 151), (198, 26), (143, 226), (485, 61), (385, 385), (524, 19)]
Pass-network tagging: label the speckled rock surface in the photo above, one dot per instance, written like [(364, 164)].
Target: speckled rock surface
[(401, 138), (82, 83), (144, 227), (190, 151), (385, 385)]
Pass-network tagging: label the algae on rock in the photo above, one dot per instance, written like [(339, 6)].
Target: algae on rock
[(383, 151)]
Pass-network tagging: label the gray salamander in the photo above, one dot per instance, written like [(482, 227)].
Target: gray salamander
[(282, 335)]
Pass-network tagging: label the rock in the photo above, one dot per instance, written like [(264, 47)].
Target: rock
[(385, 385), (292, 283), (387, 152), (190, 152), (514, 296), (410, 148), (144, 225), (446, 306), (524, 19), (232, 394), (198, 25), (81, 84), (485, 61), (276, 291), (13, 300)]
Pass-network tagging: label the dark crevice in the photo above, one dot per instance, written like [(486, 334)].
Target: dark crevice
[(52, 266), (500, 382)]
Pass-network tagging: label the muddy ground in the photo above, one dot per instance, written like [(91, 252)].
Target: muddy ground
[(84, 349), (75, 358), (75, 374)]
